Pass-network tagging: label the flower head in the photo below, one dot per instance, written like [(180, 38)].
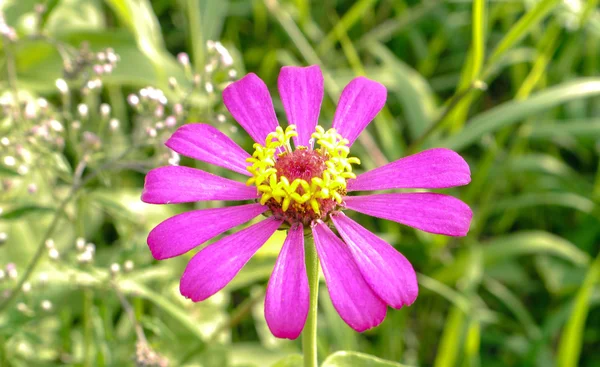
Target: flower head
[(300, 178)]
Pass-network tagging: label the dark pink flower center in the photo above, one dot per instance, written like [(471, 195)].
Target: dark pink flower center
[(301, 164)]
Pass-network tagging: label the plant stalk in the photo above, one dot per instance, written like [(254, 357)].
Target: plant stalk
[(309, 334)]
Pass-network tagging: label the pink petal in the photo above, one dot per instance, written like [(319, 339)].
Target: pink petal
[(207, 144), (350, 294), (250, 103), (286, 301), (431, 169), (360, 102), (183, 232), (430, 212), (386, 270), (301, 91), (175, 184), (216, 265)]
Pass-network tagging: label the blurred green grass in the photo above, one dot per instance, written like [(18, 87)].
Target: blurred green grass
[(513, 86)]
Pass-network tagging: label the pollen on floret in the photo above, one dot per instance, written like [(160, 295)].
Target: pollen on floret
[(304, 184)]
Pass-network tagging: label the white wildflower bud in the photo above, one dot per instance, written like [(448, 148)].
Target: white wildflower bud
[(5, 141), (26, 288), (46, 305), (196, 80), (104, 110), (21, 307), (10, 161), (12, 273), (178, 109), (8, 32), (163, 100), (112, 57), (232, 73), (172, 82), (209, 68), (101, 56), (210, 45), (94, 84), (226, 58), (159, 125), (62, 86), (159, 111), (183, 58), (85, 257), (80, 243), (49, 243), (115, 268), (209, 87), (174, 159), (145, 92), (53, 254), (2, 275), (170, 121), (3, 235), (42, 103), (113, 124), (83, 110), (128, 266), (43, 277), (30, 111), (56, 125), (133, 100), (221, 118), (23, 170), (90, 247), (32, 188), (108, 68), (76, 125), (151, 132)]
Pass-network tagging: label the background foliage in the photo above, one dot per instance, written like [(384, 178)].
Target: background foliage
[(512, 85)]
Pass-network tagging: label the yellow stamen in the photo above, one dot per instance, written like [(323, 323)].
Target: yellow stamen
[(330, 186)]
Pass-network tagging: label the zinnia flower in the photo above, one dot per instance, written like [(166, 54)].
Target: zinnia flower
[(303, 190)]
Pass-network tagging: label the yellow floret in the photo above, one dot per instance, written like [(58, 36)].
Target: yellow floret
[(331, 185)]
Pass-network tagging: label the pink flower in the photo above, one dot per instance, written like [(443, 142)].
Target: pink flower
[(303, 189)]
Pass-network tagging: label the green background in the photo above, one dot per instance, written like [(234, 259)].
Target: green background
[(513, 86)]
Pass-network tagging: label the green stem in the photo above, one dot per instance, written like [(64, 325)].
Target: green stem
[(197, 41), (309, 335), (11, 70)]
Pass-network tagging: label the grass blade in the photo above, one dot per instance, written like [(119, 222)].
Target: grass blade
[(514, 111), (571, 340)]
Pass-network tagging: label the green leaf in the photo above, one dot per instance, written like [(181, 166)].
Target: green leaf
[(22, 211), (355, 359), (352, 16), (6, 171), (295, 360), (514, 111), (411, 88), (213, 17), (571, 341), (584, 128), (523, 27), (130, 287), (564, 199), (75, 15), (532, 242)]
